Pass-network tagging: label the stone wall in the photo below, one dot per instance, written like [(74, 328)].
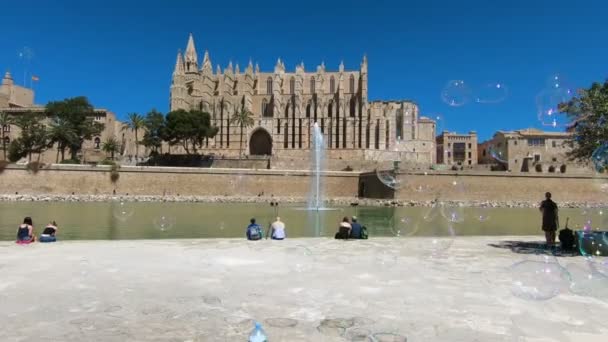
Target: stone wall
[(486, 186), (65, 179)]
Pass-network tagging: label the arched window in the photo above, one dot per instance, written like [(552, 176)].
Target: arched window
[(96, 143), (330, 108), (6, 128), (353, 104), (312, 85), (269, 85), (308, 110), (287, 110), (264, 107), (332, 85), (352, 83), (292, 86)]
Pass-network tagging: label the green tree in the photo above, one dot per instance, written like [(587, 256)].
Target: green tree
[(78, 114), (189, 129), (155, 130), (61, 132), (111, 146), (589, 114), (244, 119), (34, 136), (134, 123), (5, 121)]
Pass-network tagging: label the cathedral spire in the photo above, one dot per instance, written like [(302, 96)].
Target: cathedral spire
[(341, 67), (190, 56), (237, 70), (179, 64), (249, 70), (207, 66), (257, 68)]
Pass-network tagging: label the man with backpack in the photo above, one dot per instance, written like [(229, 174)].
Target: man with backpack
[(254, 231), (357, 231)]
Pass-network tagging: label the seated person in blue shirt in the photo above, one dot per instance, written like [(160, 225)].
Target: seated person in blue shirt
[(254, 231), (48, 234), (355, 229)]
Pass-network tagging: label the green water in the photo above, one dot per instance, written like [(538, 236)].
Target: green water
[(93, 221)]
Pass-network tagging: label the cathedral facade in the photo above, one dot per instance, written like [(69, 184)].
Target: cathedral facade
[(286, 105)]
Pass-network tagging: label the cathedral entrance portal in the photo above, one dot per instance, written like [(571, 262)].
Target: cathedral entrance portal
[(260, 143)]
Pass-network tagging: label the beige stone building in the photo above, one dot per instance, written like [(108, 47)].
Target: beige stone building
[(457, 149), (529, 150), (17, 100), (286, 104)]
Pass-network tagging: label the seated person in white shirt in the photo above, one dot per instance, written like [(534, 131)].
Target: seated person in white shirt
[(277, 230)]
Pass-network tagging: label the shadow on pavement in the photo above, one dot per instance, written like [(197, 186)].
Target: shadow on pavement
[(533, 247)]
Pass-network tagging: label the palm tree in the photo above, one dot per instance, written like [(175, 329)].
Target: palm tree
[(243, 118), (5, 121), (135, 123), (111, 146), (61, 132)]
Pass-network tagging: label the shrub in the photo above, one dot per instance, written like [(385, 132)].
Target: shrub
[(562, 168), (347, 168), (70, 161), (34, 167), (107, 162), (15, 151), (114, 174), (552, 169), (539, 168)]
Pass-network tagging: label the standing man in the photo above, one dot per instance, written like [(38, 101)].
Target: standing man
[(550, 219)]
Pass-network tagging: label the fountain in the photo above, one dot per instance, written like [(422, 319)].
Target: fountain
[(315, 196)]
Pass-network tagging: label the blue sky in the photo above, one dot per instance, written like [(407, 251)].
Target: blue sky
[(121, 54)]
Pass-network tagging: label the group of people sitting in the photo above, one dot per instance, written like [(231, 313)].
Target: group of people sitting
[(276, 230), (25, 232), (349, 229)]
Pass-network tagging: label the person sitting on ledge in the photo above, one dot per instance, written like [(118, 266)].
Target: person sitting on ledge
[(277, 230), (356, 229), (344, 229), (48, 234), (254, 231), (25, 232)]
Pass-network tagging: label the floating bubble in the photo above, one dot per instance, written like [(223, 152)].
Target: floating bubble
[(222, 226), (405, 227), (433, 212), (592, 243), (586, 280), (300, 258), (440, 125), (122, 211), (498, 155), (548, 103), (482, 214), (600, 158), (541, 278), (453, 212), (164, 222), (387, 168), (456, 93), (493, 92)]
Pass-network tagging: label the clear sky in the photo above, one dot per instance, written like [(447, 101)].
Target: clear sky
[(121, 54)]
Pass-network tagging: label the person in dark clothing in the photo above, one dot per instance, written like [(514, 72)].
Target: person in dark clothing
[(25, 232), (566, 238), (254, 231), (550, 223), (344, 229), (48, 234), (355, 229)]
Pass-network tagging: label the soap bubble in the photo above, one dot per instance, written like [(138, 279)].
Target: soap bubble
[(482, 214), (492, 92), (164, 222), (600, 158), (592, 243), (456, 93), (405, 227), (439, 123), (299, 258), (498, 155), (586, 280), (122, 211), (540, 278), (433, 212), (453, 212), (387, 167), (549, 100)]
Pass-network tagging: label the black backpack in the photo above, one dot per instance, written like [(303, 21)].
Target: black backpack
[(364, 234)]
